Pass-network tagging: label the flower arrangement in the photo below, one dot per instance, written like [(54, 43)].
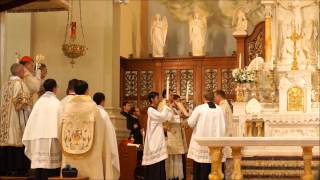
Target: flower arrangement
[(243, 75)]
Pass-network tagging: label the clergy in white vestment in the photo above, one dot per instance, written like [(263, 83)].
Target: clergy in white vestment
[(99, 99), (33, 81), (14, 111), (220, 99), (41, 134), (84, 137), (207, 120), (155, 148)]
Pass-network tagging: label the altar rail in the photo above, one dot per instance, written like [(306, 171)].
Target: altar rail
[(237, 143)]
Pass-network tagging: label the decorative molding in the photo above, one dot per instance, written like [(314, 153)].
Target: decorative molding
[(211, 79), (172, 74), (146, 82), (185, 76), (131, 83), (228, 83)]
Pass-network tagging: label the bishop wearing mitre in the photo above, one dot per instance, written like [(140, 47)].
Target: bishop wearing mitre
[(14, 111), (30, 78), (84, 137)]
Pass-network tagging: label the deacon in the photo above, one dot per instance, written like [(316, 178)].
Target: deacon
[(155, 148), (84, 137), (207, 120), (15, 108), (220, 99), (41, 134), (176, 142), (99, 99), (32, 82)]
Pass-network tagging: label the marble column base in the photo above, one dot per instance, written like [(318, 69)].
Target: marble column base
[(119, 122)]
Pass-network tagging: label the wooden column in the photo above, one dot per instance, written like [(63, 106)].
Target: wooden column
[(307, 158), (236, 155), (216, 156), (240, 48)]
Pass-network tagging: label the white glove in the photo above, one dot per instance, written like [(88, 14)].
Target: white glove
[(38, 73)]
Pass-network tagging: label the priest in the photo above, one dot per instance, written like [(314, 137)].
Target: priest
[(84, 137), (14, 111), (33, 81), (220, 99), (207, 120), (99, 98), (41, 134), (155, 148)]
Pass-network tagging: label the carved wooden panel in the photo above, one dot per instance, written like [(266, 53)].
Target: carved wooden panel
[(210, 80), (186, 75), (254, 43), (130, 83), (144, 104), (146, 82), (172, 74), (228, 83)]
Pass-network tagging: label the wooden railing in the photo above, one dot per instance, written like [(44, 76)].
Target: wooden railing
[(237, 143)]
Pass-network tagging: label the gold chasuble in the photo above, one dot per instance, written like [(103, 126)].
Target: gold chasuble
[(84, 139)]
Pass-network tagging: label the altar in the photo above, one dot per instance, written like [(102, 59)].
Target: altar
[(283, 100)]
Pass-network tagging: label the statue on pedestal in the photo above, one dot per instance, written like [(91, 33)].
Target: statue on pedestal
[(240, 22), (159, 29), (197, 34)]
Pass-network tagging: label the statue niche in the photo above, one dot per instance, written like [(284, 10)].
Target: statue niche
[(295, 99)]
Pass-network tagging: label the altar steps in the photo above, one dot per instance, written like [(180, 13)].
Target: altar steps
[(276, 168)]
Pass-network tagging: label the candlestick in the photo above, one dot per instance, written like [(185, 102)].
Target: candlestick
[(240, 61), (167, 88), (187, 94)]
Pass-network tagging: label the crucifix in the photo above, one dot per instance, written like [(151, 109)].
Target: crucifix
[(295, 37)]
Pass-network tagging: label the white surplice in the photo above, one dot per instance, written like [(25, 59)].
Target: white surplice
[(206, 122), (155, 148), (112, 140), (14, 111), (41, 134)]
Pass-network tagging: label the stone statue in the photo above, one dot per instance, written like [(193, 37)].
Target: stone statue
[(197, 34), (310, 41), (295, 7), (159, 29), (240, 22)]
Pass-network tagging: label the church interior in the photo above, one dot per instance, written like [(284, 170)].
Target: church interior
[(263, 54)]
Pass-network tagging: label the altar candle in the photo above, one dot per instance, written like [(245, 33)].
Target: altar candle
[(167, 88), (187, 94), (240, 61)]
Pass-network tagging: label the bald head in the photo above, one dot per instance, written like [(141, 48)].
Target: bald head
[(17, 70)]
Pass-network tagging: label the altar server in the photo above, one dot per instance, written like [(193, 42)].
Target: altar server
[(41, 134), (207, 120), (84, 137), (99, 99), (14, 111), (155, 148)]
